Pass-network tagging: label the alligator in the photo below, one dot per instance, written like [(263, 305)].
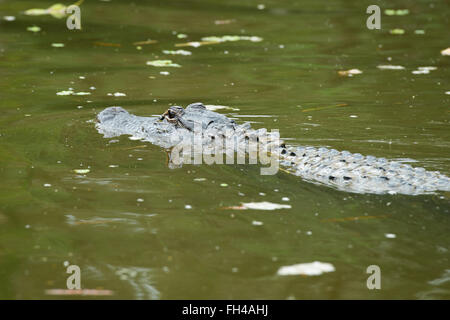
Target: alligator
[(342, 170)]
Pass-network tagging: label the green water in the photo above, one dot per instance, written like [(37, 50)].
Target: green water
[(155, 248)]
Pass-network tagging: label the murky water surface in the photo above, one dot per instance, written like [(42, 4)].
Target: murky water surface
[(126, 224)]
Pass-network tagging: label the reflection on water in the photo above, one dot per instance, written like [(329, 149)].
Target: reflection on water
[(144, 231)]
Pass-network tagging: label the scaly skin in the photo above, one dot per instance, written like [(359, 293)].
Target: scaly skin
[(342, 170)]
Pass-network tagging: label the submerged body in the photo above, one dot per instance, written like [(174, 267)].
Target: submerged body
[(342, 170)]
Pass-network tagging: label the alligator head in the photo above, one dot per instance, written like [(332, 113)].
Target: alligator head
[(167, 130)]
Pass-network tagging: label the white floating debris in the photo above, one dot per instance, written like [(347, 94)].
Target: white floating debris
[(188, 207), (165, 73), (257, 223), (390, 235), (447, 92), (92, 88), (140, 200), (260, 6), (446, 52), (285, 199), (9, 18), (265, 205), (82, 93), (57, 45), (315, 268), (64, 93), (47, 185), (353, 116), (119, 94), (180, 52), (113, 166), (212, 107), (200, 179), (224, 185), (82, 171), (390, 67), (349, 73), (162, 63)]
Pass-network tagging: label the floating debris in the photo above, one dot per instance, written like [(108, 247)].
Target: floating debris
[(285, 199), (47, 185), (188, 207), (9, 18), (315, 268), (212, 107), (79, 292), (82, 171), (257, 223), (34, 29), (165, 73), (162, 63), (57, 11), (350, 73), (397, 31), (64, 93), (181, 36), (264, 205), (423, 70), (390, 235), (260, 6), (231, 38), (200, 179), (228, 21), (419, 31), (119, 94), (224, 185), (390, 67), (141, 43), (180, 52), (399, 12), (446, 52)]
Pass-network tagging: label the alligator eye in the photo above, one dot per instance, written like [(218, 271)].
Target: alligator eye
[(171, 114)]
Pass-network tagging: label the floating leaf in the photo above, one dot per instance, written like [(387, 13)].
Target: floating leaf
[(78, 292), (232, 38), (141, 43), (212, 107), (264, 205), (64, 93), (390, 67), (315, 268), (224, 21), (57, 10), (397, 31), (82, 171), (399, 12), (180, 52), (349, 73), (162, 63), (34, 29), (446, 52)]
